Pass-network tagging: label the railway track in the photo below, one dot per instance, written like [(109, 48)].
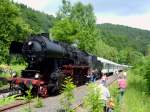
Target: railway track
[(52, 104), (15, 104), (4, 90), (8, 93)]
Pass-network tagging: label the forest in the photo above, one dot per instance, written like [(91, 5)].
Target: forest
[(125, 36), (76, 24), (17, 23), (118, 43)]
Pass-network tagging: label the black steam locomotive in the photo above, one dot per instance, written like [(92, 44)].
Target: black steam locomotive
[(49, 62)]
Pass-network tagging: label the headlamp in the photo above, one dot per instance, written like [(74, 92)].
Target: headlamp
[(37, 75)]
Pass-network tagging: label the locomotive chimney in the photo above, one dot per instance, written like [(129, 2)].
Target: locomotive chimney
[(45, 35)]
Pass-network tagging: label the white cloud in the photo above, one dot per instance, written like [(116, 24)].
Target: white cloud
[(35, 4), (137, 21), (47, 6), (51, 6)]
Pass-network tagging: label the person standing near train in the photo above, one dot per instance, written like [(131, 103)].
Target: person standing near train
[(94, 74), (122, 86), (104, 77), (124, 74), (105, 95)]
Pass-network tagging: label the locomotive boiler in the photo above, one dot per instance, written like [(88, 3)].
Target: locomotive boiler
[(49, 62)]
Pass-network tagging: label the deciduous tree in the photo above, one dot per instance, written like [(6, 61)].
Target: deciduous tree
[(77, 24)]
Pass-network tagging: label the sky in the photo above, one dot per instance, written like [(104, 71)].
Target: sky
[(133, 13)]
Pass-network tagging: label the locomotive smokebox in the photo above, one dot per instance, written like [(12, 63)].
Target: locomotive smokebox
[(37, 48), (42, 47)]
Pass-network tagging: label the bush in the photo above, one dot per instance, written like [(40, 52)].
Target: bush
[(142, 68), (39, 103), (28, 99), (93, 101), (67, 95), (147, 73), (135, 98), (7, 100)]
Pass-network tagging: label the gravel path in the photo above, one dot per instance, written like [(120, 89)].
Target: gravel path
[(52, 104)]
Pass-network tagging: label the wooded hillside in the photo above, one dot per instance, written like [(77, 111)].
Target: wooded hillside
[(17, 22), (118, 43), (120, 36), (38, 21)]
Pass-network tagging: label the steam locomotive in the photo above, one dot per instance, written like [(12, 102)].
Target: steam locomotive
[(49, 62)]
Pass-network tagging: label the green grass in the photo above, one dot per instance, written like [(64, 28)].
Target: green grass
[(135, 99), (113, 88), (92, 101), (38, 103), (7, 100)]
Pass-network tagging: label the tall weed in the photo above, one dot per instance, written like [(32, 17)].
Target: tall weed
[(67, 95), (136, 99), (93, 101)]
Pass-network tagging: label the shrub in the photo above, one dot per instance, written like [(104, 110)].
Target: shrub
[(39, 103), (93, 101), (67, 95), (7, 100), (135, 99), (147, 73), (142, 68), (28, 98)]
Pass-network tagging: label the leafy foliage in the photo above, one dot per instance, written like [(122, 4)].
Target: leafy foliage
[(147, 72), (7, 100), (120, 36), (129, 55), (65, 10), (12, 27), (142, 67), (28, 98), (39, 22), (65, 30), (114, 91), (131, 43), (104, 50), (135, 94), (8, 14), (93, 101), (29, 95), (76, 24), (18, 22), (39, 102), (67, 95)]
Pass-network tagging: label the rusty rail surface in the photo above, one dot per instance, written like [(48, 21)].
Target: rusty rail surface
[(15, 104)]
